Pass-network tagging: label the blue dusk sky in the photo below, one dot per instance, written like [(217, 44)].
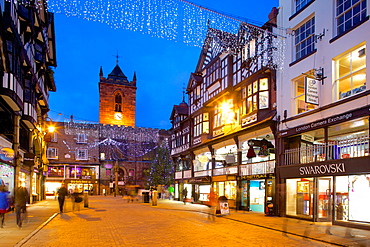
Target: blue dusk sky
[(162, 66)]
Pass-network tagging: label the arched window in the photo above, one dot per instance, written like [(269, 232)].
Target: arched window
[(118, 103)]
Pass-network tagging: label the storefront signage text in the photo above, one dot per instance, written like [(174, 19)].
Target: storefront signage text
[(322, 169), (312, 91), (249, 120), (7, 154), (80, 181), (323, 122)]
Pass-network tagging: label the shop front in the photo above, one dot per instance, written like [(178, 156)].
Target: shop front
[(336, 191), (82, 185), (202, 188), (325, 169), (226, 186), (7, 176), (257, 192)]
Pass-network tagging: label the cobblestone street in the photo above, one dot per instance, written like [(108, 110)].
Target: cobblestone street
[(110, 221)]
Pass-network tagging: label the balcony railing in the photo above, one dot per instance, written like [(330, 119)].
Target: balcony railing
[(264, 167), (225, 170), (341, 149)]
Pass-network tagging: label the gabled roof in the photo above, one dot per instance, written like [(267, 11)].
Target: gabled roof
[(182, 109), (215, 43)]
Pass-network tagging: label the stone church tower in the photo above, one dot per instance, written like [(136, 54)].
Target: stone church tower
[(117, 98)]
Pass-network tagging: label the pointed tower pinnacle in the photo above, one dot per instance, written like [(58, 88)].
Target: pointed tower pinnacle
[(101, 72)]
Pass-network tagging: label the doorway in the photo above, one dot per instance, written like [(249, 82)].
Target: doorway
[(324, 199)]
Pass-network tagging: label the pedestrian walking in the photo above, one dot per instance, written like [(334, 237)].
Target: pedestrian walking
[(62, 193), (184, 194), (212, 204), (4, 204), (21, 199)]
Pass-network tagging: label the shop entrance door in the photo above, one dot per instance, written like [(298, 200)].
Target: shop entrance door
[(324, 199), (257, 195)]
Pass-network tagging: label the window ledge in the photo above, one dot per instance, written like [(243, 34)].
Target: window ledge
[(349, 30), (299, 11), (300, 59)]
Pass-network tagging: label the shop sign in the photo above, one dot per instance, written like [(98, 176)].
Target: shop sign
[(257, 176), (223, 178), (218, 132), (199, 180), (108, 166), (29, 159), (311, 91), (326, 122), (7, 154), (79, 181), (307, 138), (249, 119), (324, 169)]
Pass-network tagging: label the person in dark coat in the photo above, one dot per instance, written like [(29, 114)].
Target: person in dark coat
[(4, 205), (62, 193), (21, 198)]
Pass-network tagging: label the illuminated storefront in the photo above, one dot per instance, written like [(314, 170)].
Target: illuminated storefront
[(7, 176), (326, 169)]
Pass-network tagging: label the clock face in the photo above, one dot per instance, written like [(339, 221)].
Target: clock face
[(118, 116)]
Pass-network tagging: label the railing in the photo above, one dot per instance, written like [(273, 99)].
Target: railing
[(341, 149), (203, 173), (264, 167), (183, 174), (11, 82), (225, 170)]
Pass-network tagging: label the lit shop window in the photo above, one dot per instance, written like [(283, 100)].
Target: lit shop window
[(350, 73), (55, 171), (300, 96)]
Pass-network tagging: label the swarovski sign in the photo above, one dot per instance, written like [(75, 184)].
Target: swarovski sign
[(324, 169)]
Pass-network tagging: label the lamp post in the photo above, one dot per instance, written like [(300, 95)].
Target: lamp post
[(116, 169)]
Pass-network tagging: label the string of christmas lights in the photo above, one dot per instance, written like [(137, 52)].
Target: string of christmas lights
[(177, 20), (117, 142)]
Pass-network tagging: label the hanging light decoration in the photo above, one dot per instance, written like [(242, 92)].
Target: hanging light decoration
[(177, 20)]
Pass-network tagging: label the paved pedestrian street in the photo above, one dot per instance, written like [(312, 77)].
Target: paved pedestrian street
[(111, 221)]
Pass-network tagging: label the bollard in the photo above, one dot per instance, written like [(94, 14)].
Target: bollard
[(154, 198), (86, 199)]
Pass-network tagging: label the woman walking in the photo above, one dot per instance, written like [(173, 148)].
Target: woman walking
[(4, 205)]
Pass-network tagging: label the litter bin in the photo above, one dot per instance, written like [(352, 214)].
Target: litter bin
[(145, 197)]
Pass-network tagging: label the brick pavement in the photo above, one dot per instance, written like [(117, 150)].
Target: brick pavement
[(111, 235)]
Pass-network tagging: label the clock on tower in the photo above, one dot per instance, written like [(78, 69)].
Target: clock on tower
[(118, 116), (117, 98)]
